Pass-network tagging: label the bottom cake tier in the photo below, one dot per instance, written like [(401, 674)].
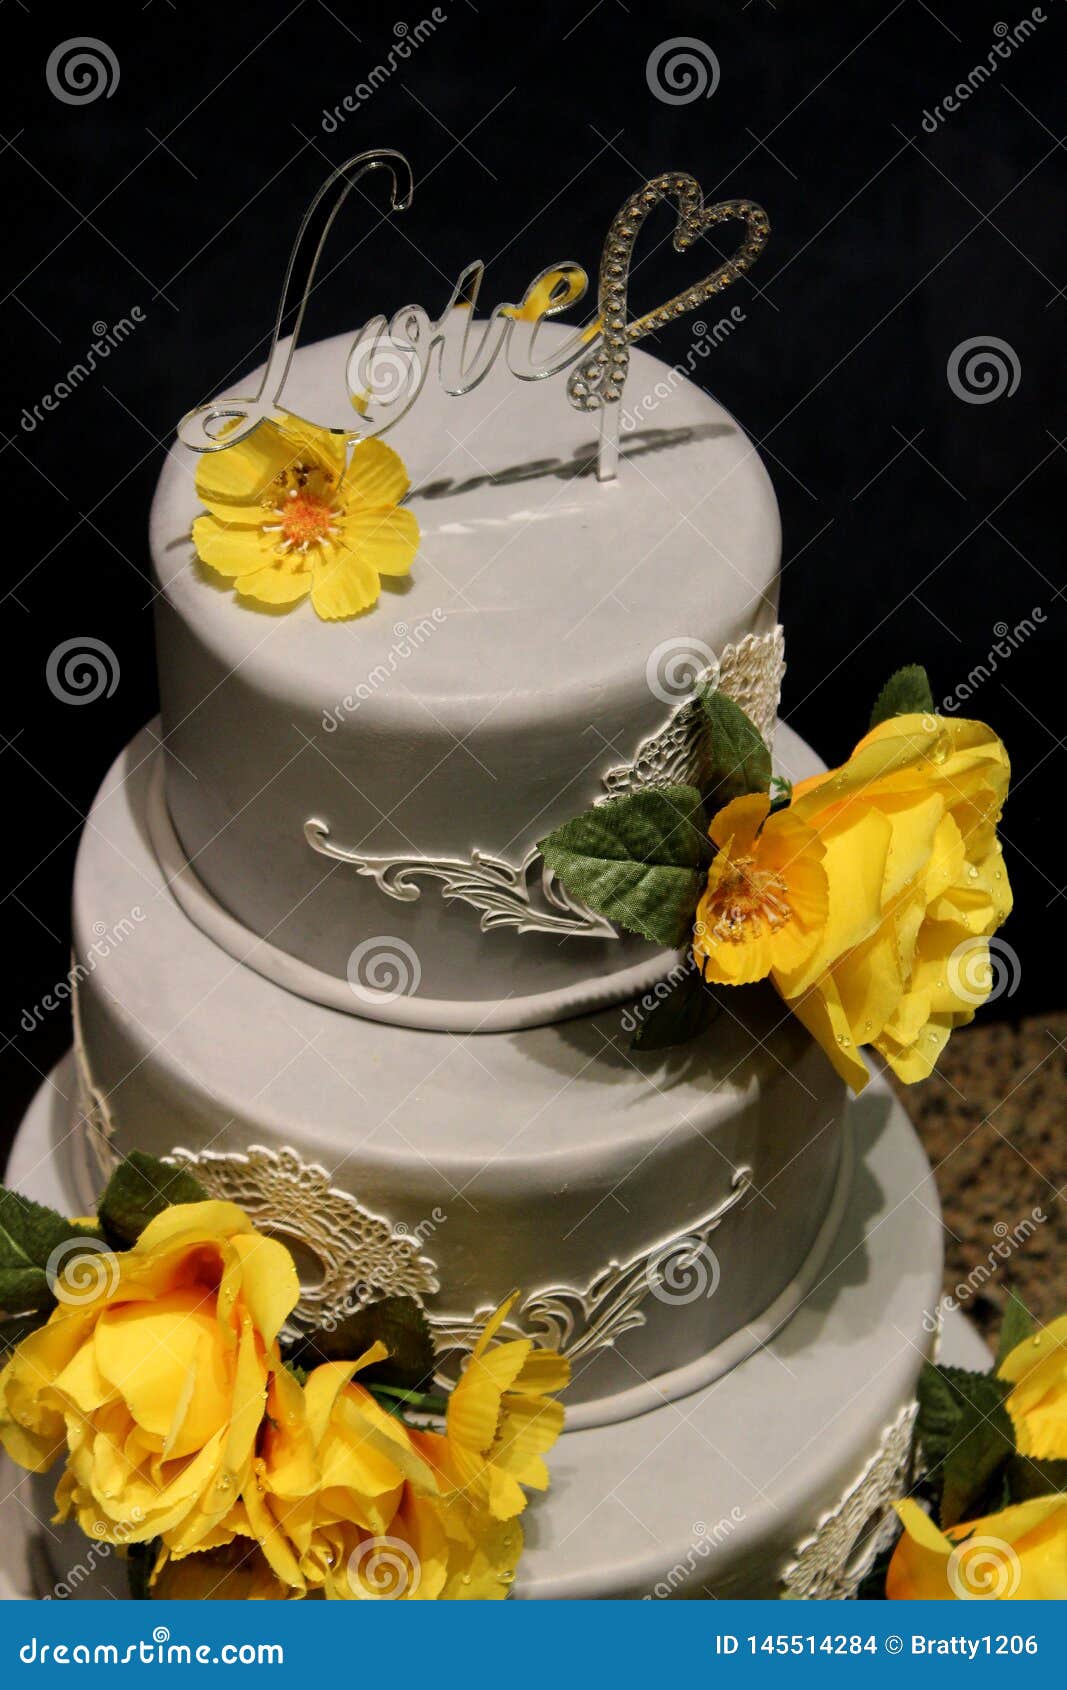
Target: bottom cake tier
[(774, 1480)]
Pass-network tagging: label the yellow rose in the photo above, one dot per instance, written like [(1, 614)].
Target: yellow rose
[(349, 1501), (156, 1385), (907, 829), (1037, 1371), (1019, 1554), (238, 1573)]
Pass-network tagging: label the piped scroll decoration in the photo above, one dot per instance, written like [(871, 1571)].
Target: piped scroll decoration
[(579, 1321), (527, 897)]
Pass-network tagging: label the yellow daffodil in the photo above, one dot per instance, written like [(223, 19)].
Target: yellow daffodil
[(501, 1420), (1036, 1369), (1019, 1554), (155, 1385), (766, 897), (286, 517)]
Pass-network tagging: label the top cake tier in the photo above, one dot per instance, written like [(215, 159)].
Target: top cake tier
[(353, 807)]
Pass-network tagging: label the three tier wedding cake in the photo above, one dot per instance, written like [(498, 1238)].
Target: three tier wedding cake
[(383, 950)]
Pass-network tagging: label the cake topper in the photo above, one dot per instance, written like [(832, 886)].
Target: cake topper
[(389, 359)]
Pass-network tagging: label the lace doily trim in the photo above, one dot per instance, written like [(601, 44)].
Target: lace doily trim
[(831, 1564)]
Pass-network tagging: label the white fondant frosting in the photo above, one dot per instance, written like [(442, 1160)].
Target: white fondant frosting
[(773, 1481), (549, 628), (544, 1159)]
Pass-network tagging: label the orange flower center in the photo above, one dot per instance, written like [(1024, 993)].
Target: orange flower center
[(306, 520), (305, 512), (747, 900)]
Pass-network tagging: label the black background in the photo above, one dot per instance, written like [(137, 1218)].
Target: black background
[(915, 522)]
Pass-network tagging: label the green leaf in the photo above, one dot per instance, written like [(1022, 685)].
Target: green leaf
[(984, 1442), (140, 1188), (1018, 1325), (781, 793), (740, 761), (907, 693), (680, 1013), (30, 1235), (1028, 1478), (640, 860), (398, 1322)]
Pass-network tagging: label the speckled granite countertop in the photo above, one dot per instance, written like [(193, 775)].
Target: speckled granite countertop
[(994, 1123)]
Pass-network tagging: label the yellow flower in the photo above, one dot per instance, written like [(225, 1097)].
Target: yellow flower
[(1019, 1554), (286, 518), (766, 896), (500, 1422), (156, 1385), (348, 1501), (238, 1573), (870, 901), (1037, 1371)]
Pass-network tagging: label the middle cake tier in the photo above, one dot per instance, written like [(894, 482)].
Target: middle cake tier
[(660, 1218)]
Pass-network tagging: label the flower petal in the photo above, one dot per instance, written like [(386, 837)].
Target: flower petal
[(388, 540), (376, 474)]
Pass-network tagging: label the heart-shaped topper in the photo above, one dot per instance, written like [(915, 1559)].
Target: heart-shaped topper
[(598, 382)]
